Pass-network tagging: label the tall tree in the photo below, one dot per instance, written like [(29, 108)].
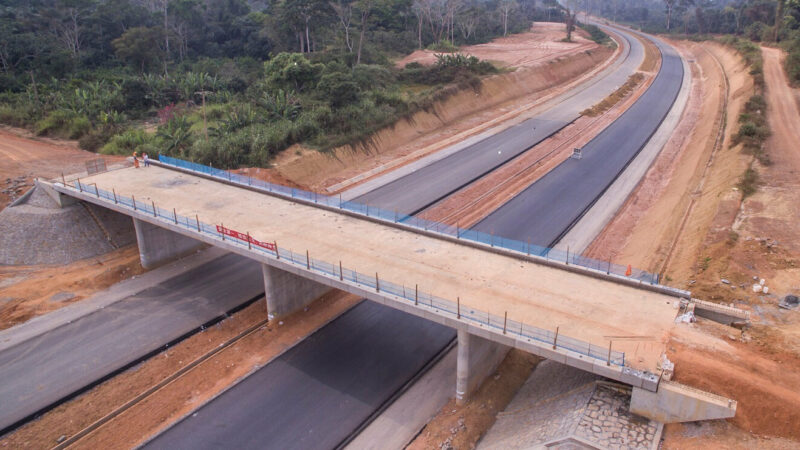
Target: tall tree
[(364, 7), (344, 12), (138, 46), (670, 5), (506, 7)]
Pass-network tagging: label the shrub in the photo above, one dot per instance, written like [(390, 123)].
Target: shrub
[(63, 124), (96, 138), (372, 76), (338, 88), (127, 142), (748, 183), (443, 46), (596, 34), (755, 31), (291, 71), (13, 116)]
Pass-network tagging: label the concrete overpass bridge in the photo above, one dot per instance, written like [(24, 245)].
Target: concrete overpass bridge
[(497, 293)]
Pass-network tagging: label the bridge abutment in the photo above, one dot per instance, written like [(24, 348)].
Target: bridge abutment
[(287, 292), (477, 359), (159, 246)]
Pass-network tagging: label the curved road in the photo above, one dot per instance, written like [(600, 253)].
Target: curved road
[(319, 392), (546, 210), (418, 190)]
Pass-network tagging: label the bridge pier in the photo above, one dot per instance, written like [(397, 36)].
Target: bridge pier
[(287, 292), (159, 246), (477, 359)]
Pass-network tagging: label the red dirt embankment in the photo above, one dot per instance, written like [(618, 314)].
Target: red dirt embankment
[(518, 50), (687, 219), (462, 115)]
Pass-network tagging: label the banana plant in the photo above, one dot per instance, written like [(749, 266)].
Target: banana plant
[(175, 135)]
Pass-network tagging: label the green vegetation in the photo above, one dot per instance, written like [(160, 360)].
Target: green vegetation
[(748, 21), (748, 183), (752, 56), (596, 34), (236, 82)]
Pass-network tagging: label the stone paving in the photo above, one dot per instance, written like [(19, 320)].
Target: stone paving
[(607, 423), (562, 407)]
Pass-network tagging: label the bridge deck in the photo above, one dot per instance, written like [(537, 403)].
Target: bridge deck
[(583, 307)]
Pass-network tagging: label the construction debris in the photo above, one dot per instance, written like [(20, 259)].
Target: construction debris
[(789, 302)]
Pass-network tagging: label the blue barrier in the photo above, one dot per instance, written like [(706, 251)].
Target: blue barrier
[(417, 222), (411, 295)]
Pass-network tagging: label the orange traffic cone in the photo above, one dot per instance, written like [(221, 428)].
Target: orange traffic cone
[(629, 271)]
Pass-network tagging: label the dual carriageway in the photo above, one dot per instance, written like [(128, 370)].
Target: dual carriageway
[(277, 383)]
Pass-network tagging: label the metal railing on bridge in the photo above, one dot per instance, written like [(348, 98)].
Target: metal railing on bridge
[(366, 210), (409, 294)]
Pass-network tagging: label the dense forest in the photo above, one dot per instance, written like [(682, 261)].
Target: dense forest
[(233, 82), (774, 22)]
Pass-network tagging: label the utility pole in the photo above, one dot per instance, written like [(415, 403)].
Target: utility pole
[(205, 123), (35, 89), (166, 39)]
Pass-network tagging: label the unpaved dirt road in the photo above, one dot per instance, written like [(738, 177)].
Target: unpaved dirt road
[(784, 116), (541, 44), (23, 158)]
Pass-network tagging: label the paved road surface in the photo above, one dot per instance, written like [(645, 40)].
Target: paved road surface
[(36, 373), (423, 187), (317, 393), (547, 209)]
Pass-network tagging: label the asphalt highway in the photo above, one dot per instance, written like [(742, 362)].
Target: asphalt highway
[(322, 390), (314, 395), (422, 188), (546, 210), (44, 370)]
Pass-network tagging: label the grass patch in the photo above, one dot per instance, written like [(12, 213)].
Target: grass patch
[(63, 124), (617, 96)]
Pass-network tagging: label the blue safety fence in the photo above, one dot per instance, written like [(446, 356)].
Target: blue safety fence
[(527, 248), (410, 294)]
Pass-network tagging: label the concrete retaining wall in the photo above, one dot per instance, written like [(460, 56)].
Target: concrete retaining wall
[(675, 402)]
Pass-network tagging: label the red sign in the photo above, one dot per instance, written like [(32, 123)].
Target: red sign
[(245, 237)]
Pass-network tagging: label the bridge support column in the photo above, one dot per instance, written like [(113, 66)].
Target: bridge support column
[(159, 246), (477, 359), (287, 292)]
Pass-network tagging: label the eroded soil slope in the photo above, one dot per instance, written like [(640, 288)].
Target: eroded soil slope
[(467, 113), (688, 220)]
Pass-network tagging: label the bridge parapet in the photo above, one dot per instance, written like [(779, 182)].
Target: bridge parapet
[(524, 250)]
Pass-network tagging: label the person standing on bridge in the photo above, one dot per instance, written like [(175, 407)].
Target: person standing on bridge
[(135, 160), (146, 160)]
